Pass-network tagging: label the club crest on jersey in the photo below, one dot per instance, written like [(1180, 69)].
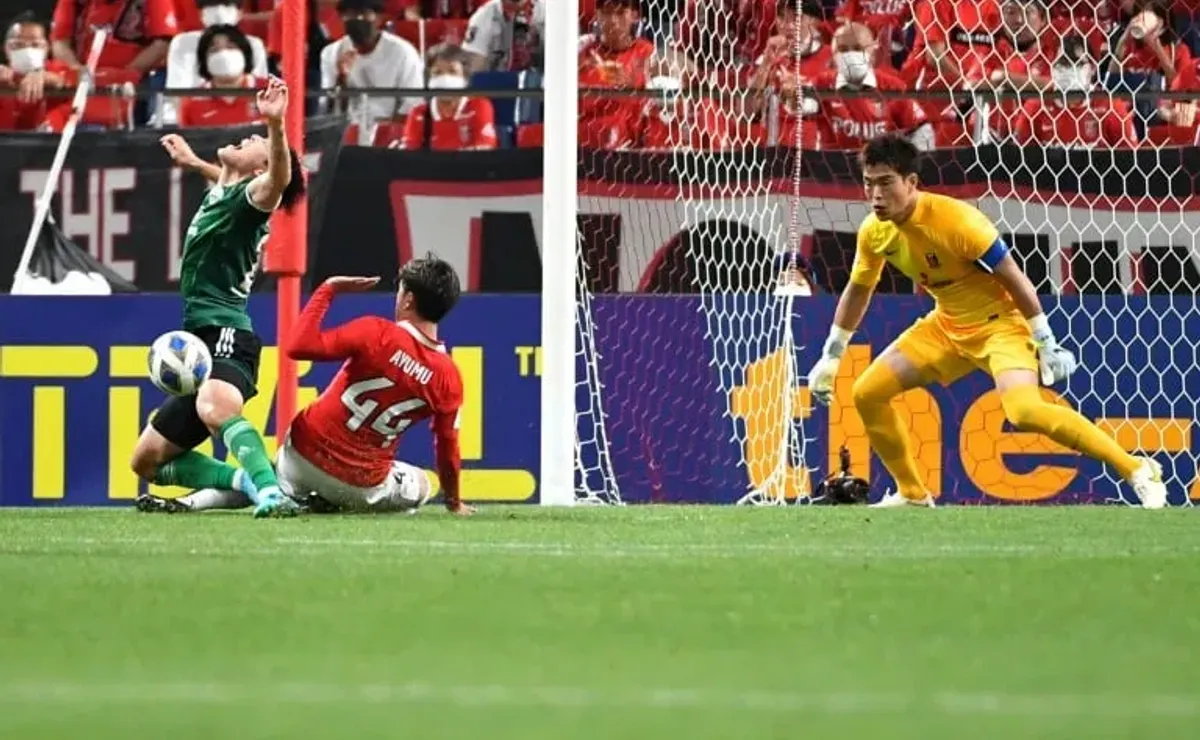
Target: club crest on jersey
[(931, 259)]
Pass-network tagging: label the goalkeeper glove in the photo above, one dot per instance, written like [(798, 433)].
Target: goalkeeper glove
[(1055, 362), (821, 377)]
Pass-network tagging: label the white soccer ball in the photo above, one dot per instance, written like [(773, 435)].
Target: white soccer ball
[(179, 362)]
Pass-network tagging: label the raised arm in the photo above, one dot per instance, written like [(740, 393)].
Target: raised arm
[(267, 189), (183, 156), (309, 342)]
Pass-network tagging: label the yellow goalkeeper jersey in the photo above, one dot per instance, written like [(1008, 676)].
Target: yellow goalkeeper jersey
[(949, 248)]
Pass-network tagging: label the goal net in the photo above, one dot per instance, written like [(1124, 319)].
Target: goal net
[(731, 186)]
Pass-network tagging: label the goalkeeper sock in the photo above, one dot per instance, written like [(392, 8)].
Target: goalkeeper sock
[(247, 446), (213, 498), (873, 394), (1028, 411), (194, 470)]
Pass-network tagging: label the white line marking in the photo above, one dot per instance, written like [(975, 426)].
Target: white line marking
[(310, 546), (850, 703)]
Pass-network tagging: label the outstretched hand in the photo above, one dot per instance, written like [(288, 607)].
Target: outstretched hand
[(180, 151), (272, 101), (344, 284)]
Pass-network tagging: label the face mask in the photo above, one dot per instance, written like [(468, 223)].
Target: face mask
[(220, 15), (360, 31), (226, 63), (666, 108), (447, 82), (853, 66), (27, 59), (1072, 78)]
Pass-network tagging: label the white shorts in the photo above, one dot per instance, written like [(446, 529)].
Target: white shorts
[(406, 488)]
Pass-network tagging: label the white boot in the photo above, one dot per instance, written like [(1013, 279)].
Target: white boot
[(1147, 483), (892, 500)]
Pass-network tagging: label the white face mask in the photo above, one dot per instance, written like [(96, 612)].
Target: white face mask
[(220, 15), (27, 60), (1074, 78), (226, 63), (853, 66), (447, 82)]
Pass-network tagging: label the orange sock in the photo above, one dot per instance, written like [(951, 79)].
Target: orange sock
[(1025, 407), (873, 394)]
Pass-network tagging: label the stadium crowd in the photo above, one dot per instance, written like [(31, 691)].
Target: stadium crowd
[(824, 74)]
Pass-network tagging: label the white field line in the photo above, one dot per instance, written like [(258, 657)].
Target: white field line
[(323, 546), (569, 697)]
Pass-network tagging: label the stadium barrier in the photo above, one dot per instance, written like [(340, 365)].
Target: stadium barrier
[(373, 208), (74, 395)]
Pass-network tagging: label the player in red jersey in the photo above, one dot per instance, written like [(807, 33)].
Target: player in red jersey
[(339, 454), (849, 123), (341, 449)]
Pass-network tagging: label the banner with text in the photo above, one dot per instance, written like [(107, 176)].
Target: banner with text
[(120, 198), (74, 396)]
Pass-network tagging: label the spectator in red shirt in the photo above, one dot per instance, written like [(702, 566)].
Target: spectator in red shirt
[(717, 34), (27, 69), (954, 39), (140, 33), (453, 122), (848, 123), (225, 59), (614, 58), (886, 19), (1074, 119), (779, 68), (1149, 46)]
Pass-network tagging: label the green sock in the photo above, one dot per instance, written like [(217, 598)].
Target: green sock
[(194, 470), (246, 444)]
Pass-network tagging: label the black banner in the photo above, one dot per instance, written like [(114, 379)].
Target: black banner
[(122, 200), (482, 210)]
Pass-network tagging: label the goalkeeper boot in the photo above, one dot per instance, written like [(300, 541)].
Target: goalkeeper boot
[(895, 500), (273, 503), (1147, 483), (151, 504)]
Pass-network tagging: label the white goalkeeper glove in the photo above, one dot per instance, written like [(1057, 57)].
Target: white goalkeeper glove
[(1055, 362), (823, 374)]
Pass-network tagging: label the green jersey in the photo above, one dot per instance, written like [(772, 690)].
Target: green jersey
[(220, 258)]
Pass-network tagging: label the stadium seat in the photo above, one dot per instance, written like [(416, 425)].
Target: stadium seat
[(388, 131), (410, 31), (531, 136)]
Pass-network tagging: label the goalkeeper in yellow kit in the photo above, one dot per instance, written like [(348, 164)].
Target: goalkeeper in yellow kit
[(987, 317)]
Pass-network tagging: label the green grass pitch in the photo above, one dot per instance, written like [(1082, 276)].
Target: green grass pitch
[(684, 622)]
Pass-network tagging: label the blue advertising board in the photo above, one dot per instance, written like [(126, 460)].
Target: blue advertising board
[(692, 397)]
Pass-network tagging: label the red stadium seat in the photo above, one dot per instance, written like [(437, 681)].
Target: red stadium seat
[(531, 136), (388, 131), (410, 31)]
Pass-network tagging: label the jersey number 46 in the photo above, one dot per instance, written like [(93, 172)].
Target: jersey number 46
[(388, 423)]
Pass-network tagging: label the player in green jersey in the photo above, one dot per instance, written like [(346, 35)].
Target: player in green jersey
[(220, 258)]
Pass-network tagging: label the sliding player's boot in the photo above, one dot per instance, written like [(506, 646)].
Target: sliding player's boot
[(151, 504), (273, 503), (1147, 483), (896, 500)]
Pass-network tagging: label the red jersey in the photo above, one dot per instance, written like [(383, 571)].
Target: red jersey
[(967, 27), (393, 376), (849, 123), (598, 67), (706, 28), (232, 111), (1138, 59), (473, 126), (682, 123), (886, 18), (135, 24), (1082, 126), (18, 116)]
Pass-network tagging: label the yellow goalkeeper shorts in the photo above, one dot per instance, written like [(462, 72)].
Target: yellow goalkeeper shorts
[(1003, 343)]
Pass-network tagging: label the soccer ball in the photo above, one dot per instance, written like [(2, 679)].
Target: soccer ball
[(179, 362)]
